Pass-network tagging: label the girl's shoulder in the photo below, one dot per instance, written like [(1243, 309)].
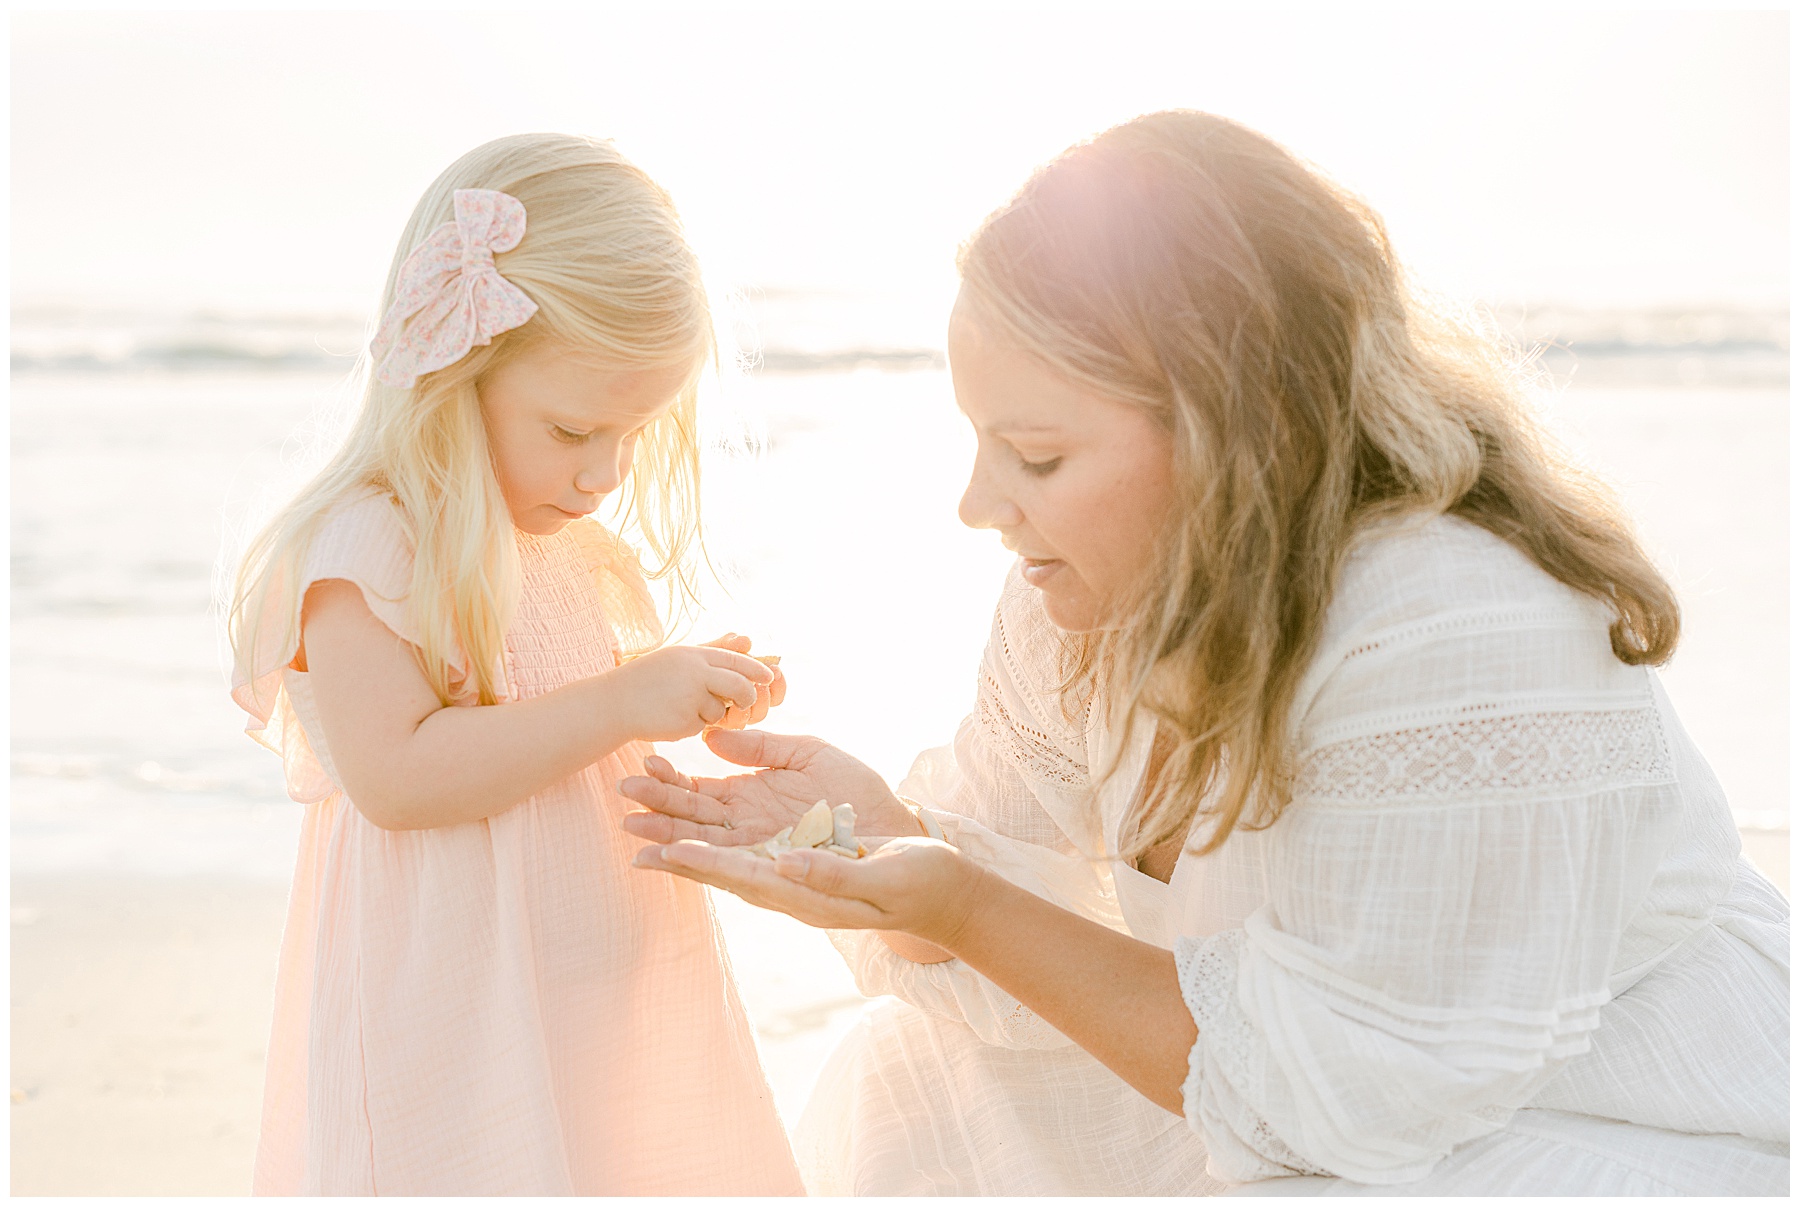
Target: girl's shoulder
[(366, 538), (367, 516)]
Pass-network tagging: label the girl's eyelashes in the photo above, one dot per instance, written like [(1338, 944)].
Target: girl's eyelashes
[(564, 435)]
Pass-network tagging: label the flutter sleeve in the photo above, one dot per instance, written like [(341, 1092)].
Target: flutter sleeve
[(1483, 792), (364, 541), (1011, 792)]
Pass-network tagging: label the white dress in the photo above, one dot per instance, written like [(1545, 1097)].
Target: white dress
[(1501, 942)]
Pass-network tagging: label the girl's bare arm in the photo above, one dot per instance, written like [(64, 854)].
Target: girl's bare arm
[(410, 763)]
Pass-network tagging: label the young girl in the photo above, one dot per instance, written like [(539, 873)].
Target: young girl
[(475, 995)]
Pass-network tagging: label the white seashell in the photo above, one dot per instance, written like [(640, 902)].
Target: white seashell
[(814, 828), (846, 852), (843, 826), (774, 845)]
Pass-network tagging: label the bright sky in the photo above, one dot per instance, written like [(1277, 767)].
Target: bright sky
[(252, 160)]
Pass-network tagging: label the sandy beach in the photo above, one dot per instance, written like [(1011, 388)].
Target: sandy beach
[(140, 1015)]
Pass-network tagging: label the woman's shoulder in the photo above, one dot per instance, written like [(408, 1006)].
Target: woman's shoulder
[(1434, 617), (1432, 569)]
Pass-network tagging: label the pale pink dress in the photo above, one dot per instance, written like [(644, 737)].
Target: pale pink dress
[(506, 1006)]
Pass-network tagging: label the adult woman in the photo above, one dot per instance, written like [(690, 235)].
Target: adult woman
[(1317, 786)]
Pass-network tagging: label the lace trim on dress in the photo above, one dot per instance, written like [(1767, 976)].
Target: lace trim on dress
[(1219, 1067), (1528, 752), (1035, 753)]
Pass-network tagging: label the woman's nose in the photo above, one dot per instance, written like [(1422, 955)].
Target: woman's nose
[(983, 506)]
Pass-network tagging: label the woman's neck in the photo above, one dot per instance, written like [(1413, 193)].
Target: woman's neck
[(1159, 861)]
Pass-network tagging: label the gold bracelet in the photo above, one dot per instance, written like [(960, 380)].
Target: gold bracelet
[(926, 821)]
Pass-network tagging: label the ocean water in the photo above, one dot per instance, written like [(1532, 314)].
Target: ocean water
[(841, 551)]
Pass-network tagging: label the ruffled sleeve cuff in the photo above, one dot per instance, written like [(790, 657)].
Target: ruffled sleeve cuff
[(1240, 1144)]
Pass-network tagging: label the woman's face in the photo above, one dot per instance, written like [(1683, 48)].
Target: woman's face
[(563, 431), (1076, 484)]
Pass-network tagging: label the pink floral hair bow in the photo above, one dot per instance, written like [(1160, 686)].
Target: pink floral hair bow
[(450, 297)]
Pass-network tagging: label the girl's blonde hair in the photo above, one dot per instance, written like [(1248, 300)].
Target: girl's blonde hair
[(1189, 265), (605, 260)]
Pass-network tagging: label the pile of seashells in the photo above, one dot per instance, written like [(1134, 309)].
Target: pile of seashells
[(824, 827)]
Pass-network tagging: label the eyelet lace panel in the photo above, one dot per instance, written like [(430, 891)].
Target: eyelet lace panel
[(1527, 752), (1037, 755), (1242, 1145)]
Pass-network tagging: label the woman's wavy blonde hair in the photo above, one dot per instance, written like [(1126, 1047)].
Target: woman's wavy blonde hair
[(615, 282), (1188, 265)]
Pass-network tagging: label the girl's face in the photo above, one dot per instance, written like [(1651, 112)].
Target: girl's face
[(1077, 484), (562, 431)]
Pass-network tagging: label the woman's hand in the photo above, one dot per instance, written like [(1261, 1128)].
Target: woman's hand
[(679, 690), (797, 772), (918, 886), (1117, 996)]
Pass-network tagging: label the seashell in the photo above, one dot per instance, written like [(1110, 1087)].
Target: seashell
[(774, 845), (843, 826), (814, 828), (823, 828)]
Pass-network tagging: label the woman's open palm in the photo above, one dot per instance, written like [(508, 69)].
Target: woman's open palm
[(795, 773)]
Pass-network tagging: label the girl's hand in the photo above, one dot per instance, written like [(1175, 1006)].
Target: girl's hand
[(797, 773), (767, 694), (677, 691), (918, 886)]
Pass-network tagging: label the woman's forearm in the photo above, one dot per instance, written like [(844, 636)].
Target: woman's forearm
[(1115, 996), (911, 947)]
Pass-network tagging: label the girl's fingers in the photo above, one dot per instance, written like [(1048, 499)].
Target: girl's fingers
[(732, 688), (741, 664), (756, 712), (778, 688), (730, 641)]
